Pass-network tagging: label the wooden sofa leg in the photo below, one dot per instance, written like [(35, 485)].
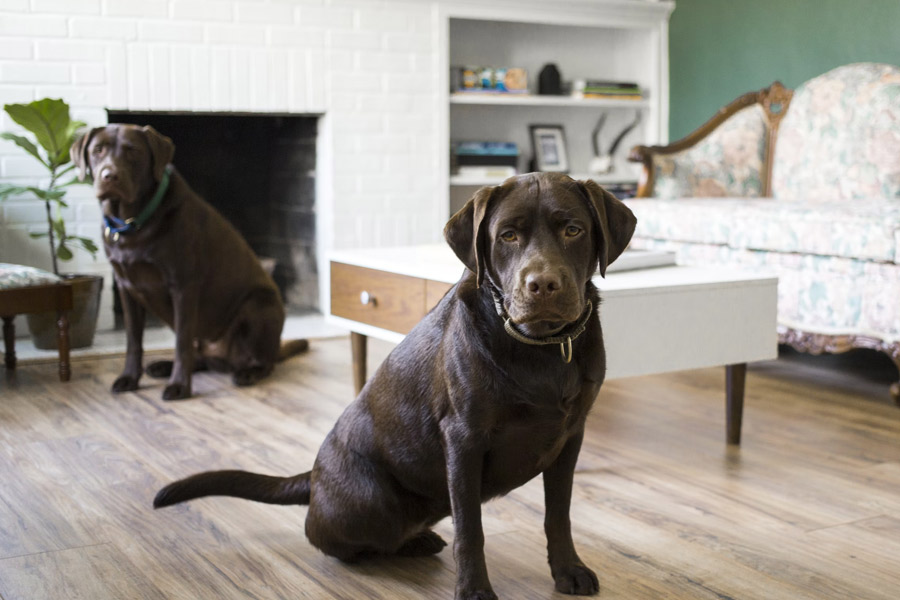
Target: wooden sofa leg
[(9, 341)]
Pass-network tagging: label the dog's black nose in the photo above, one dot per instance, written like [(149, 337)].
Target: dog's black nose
[(107, 174), (542, 284)]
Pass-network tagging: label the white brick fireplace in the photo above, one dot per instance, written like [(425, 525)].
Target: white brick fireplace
[(370, 68)]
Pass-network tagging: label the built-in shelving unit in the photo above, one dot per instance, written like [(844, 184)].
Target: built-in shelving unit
[(479, 99), (624, 40)]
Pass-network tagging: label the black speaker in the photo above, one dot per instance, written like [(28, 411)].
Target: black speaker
[(549, 81)]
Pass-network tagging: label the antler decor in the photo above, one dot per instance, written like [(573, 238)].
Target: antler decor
[(603, 163)]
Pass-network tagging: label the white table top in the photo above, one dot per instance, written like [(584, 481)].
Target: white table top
[(437, 262)]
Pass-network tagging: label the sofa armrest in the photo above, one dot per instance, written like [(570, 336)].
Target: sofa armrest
[(773, 100)]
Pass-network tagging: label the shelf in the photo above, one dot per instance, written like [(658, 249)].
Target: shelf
[(461, 180), (487, 99)]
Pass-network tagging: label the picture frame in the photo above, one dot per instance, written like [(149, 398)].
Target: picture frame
[(548, 144)]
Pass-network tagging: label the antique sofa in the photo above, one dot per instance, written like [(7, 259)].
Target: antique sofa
[(805, 184)]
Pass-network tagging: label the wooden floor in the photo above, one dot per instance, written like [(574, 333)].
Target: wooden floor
[(808, 507)]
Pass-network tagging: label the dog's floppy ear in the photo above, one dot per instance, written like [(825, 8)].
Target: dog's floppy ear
[(162, 150), (79, 155), (465, 232), (613, 221)]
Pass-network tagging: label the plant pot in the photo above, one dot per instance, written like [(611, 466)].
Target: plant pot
[(82, 318)]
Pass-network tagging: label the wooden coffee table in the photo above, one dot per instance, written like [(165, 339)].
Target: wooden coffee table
[(654, 320)]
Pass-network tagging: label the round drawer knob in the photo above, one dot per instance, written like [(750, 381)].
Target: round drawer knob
[(366, 298)]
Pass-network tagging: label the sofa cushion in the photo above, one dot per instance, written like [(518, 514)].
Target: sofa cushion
[(840, 138), (866, 229), (727, 162)]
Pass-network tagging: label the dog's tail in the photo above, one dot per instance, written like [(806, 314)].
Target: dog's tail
[(237, 484), (291, 348)]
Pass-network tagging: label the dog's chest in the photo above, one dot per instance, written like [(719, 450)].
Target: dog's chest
[(528, 438), (144, 282)]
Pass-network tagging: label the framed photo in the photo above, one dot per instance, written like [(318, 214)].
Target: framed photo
[(548, 142)]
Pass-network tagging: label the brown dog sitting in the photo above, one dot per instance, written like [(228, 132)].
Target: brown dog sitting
[(489, 390), (175, 256)]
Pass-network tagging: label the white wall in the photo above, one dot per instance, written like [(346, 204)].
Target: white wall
[(370, 66)]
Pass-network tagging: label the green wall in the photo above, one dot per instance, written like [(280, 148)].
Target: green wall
[(720, 49)]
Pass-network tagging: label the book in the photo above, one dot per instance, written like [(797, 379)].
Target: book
[(632, 260)]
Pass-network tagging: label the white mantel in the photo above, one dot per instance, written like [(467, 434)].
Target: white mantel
[(375, 70)]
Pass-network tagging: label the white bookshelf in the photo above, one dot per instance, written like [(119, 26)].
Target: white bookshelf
[(466, 181), (624, 40), (488, 99)]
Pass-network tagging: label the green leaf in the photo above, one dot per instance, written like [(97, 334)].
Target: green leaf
[(63, 252), (71, 134), (49, 121), (88, 245), (25, 144), (48, 195), (72, 181), (59, 227), (40, 234), (54, 195), (7, 189)]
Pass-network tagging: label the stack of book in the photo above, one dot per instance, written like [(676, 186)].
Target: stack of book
[(619, 90), (478, 160)]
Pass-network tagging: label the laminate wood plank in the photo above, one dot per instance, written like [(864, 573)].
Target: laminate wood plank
[(97, 572), (808, 507)]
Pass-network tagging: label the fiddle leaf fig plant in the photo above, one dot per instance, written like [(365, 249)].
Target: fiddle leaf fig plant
[(54, 131)]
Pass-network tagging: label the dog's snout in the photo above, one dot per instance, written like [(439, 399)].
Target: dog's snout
[(542, 284), (108, 174)]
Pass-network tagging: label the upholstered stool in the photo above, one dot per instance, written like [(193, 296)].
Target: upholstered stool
[(28, 290)]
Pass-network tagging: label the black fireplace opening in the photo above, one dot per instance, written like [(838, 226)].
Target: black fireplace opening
[(259, 171)]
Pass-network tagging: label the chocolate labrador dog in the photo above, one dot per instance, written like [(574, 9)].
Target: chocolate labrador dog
[(175, 256), (489, 390)]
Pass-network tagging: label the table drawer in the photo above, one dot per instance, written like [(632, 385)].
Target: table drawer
[(395, 302)]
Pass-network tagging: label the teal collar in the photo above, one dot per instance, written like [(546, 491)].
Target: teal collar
[(116, 226)]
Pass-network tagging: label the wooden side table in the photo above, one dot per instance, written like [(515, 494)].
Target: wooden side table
[(36, 299)]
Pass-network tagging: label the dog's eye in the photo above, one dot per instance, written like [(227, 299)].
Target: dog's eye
[(98, 148), (572, 231), (509, 236)]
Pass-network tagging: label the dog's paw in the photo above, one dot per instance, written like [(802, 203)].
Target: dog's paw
[(424, 543), (249, 376), (160, 369), (176, 391), (125, 383), (576, 579)]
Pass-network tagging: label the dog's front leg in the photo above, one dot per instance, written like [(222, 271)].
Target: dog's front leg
[(570, 575), (184, 303), (465, 461), (134, 315)]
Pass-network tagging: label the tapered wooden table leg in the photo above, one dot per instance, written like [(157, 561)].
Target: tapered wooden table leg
[(358, 343), (735, 378), (63, 331)]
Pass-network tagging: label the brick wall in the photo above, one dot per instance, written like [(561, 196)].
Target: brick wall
[(369, 66)]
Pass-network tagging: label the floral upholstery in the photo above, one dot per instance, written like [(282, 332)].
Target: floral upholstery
[(817, 294), (840, 138), (19, 276), (831, 231), (727, 162), (867, 229)]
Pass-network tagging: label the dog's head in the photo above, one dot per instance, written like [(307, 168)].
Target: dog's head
[(126, 162), (540, 238)]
